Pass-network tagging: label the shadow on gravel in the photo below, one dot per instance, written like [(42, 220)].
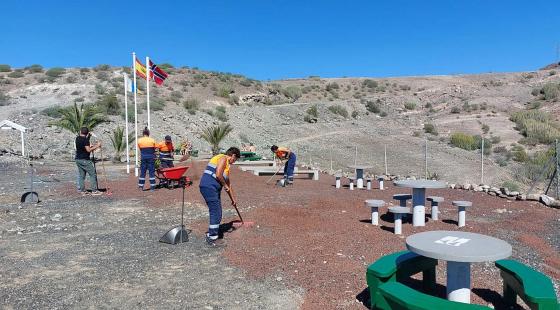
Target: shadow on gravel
[(494, 298), (452, 222), (387, 228), (363, 297)]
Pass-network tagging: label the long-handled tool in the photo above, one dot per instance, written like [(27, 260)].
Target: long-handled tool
[(107, 189), (240, 223), (275, 173), (31, 196)]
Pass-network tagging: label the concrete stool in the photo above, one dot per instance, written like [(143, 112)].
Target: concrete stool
[(337, 182), (368, 184), (380, 180), (398, 213), (351, 179), (402, 198), (418, 215), (462, 213), (435, 204), (375, 205)]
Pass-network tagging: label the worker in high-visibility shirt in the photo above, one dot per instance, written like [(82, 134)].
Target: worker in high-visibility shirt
[(214, 178), (284, 153), (147, 148), (166, 150)]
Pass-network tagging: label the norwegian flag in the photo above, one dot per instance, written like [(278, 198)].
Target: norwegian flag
[(157, 73)]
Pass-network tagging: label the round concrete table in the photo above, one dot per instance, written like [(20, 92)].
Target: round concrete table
[(419, 194), (360, 174), (459, 249)]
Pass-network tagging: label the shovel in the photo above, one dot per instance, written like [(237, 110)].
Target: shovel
[(31, 196)]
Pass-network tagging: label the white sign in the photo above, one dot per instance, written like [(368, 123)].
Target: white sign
[(453, 241)]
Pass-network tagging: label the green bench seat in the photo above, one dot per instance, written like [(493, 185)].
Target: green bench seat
[(533, 287), (400, 297), (397, 267), (252, 158)]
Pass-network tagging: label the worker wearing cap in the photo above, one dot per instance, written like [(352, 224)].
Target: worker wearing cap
[(166, 150), (284, 153), (213, 179), (147, 148)]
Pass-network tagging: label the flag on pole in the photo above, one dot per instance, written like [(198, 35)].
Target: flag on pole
[(129, 85), (140, 68), (157, 73)]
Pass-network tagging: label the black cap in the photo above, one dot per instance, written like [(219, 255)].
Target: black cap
[(168, 138)]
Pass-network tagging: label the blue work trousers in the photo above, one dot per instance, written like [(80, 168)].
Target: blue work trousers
[(289, 167), (212, 197), (149, 165)]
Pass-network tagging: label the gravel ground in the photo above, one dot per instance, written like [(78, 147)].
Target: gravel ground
[(309, 248)]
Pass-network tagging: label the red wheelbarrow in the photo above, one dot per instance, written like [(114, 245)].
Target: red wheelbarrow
[(173, 177)]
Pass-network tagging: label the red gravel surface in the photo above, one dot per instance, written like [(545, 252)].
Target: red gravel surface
[(314, 236)]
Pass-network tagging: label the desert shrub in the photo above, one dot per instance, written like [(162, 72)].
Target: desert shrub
[(292, 92), (55, 72), (175, 96), (540, 132), (551, 73), (521, 116), (355, 114), (166, 66), (84, 70), (53, 111), (220, 113), (233, 100), (519, 154), (99, 89), (416, 133), (383, 114), (126, 70), (511, 185), (245, 82), (369, 83), (5, 68), (495, 139), (16, 74), (431, 129), (455, 110), (500, 149), (404, 87), (485, 128), (4, 99), (101, 68), (536, 91), (109, 104), (338, 109), (224, 91), (428, 105), (310, 119), (550, 91), (157, 104), (410, 105), (102, 75), (191, 105), (464, 141), (312, 111), (130, 114), (75, 93), (373, 107), (80, 99), (71, 79), (332, 86)]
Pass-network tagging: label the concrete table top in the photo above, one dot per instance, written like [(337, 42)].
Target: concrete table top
[(420, 184), (360, 167), (458, 246)]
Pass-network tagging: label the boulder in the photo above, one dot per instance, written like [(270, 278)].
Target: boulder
[(533, 197), (513, 194), (452, 186), (522, 197), (478, 189), (467, 186), (546, 200)]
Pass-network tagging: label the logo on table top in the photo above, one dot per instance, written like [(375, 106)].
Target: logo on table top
[(454, 241)]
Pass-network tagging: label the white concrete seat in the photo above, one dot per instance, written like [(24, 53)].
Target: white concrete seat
[(435, 206), (461, 205), (398, 213), (374, 204), (368, 184), (352, 181)]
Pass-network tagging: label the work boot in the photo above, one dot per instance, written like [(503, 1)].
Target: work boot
[(214, 242)]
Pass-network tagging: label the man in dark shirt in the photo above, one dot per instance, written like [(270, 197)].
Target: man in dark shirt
[(84, 163)]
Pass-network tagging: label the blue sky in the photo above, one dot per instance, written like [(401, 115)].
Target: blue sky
[(266, 39)]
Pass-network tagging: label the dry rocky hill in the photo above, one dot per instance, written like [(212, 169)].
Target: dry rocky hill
[(324, 120)]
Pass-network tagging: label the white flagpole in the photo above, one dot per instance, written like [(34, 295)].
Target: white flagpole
[(148, 89), (126, 122), (135, 117)]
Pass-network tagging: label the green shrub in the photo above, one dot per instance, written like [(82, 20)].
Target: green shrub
[(4, 99), (75, 93), (521, 116), (101, 68), (312, 111), (485, 128), (550, 91), (55, 72), (109, 104), (511, 186), (34, 69), (373, 107), (5, 68), (53, 111), (176, 96), (519, 154), (332, 86), (551, 73), (464, 141), (99, 89), (404, 87), (245, 82), (84, 70), (157, 104), (233, 100), (338, 109), (71, 79), (369, 83), (292, 92), (102, 75), (431, 129), (355, 114), (16, 74), (538, 131), (495, 139), (191, 105), (220, 113), (455, 110), (410, 105), (536, 91), (166, 66), (383, 114), (224, 91)]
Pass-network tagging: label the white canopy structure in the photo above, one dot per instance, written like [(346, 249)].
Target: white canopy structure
[(6, 124)]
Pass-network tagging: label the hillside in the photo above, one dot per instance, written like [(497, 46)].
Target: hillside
[(324, 120)]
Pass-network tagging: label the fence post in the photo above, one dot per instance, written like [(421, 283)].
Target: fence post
[(557, 171), (426, 159), (385, 160), (482, 162)]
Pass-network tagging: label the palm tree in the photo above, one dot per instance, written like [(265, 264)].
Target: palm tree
[(118, 142), (74, 118), (215, 134)]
